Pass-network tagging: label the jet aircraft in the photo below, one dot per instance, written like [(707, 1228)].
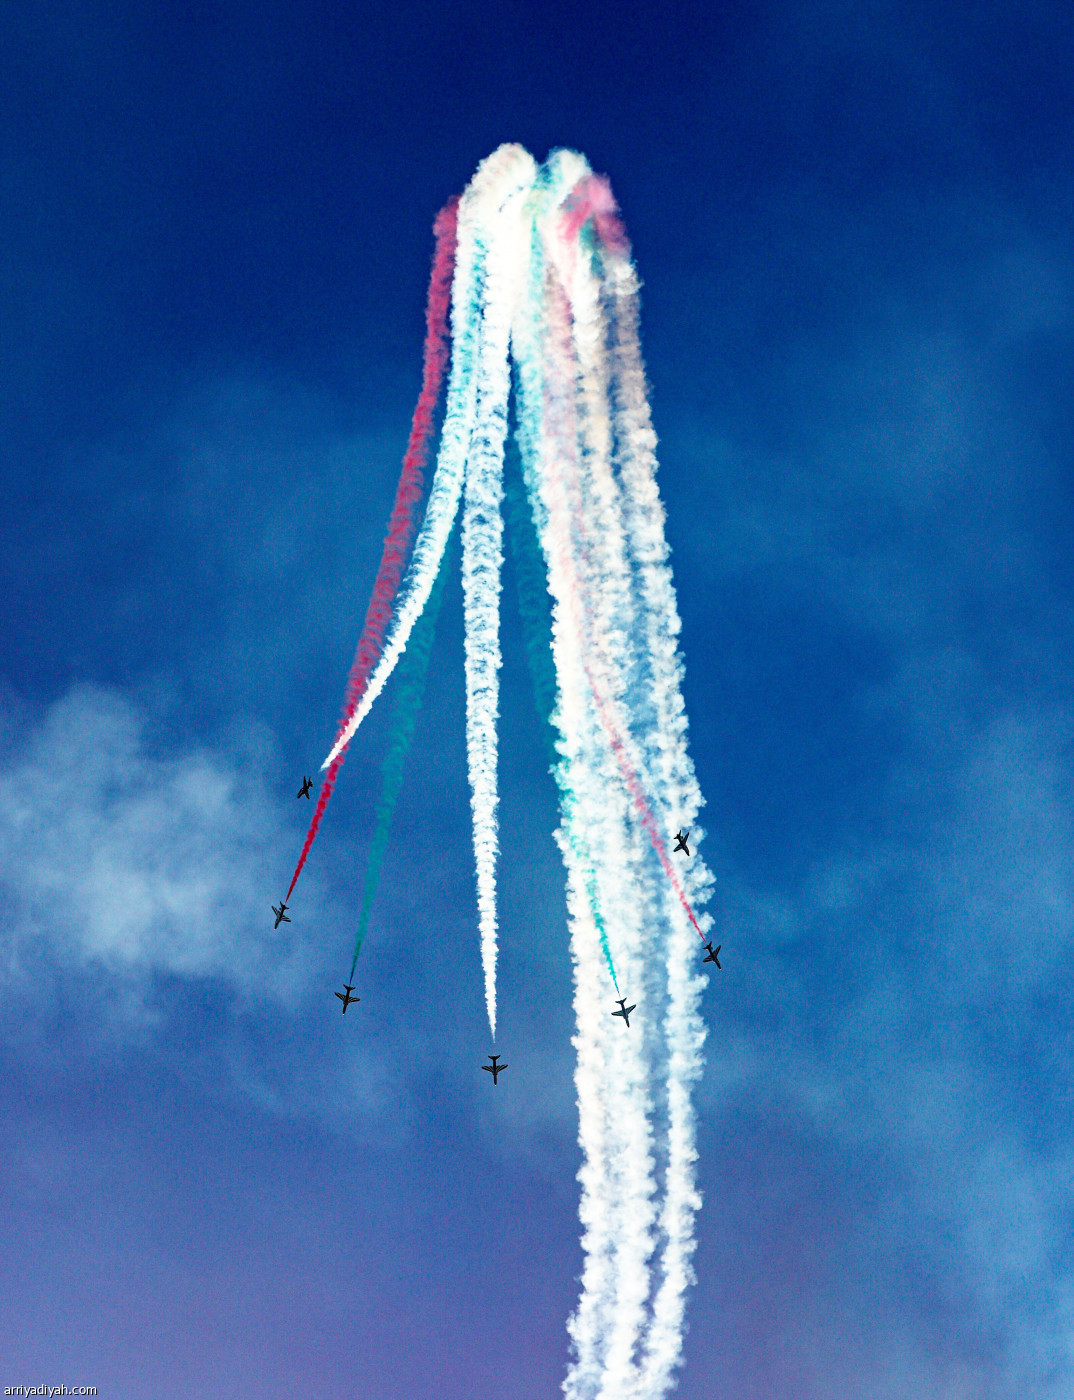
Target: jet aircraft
[(681, 840), (347, 999), (494, 1069), (624, 1010), (304, 790), (711, 956), (281, 917)]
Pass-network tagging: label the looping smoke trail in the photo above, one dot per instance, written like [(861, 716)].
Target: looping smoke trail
[(407, 494), (628, 1326), (671, 769), (501, 175), (543, 276)]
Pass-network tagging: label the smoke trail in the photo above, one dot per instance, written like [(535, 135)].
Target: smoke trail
[(613, 664), (543, 276), (532, 597), (673, 773), (482, 557), (407, 494), (624, 1190), (498, 177), (536, 629), (412, 673), (601, 640), (611, 1097)]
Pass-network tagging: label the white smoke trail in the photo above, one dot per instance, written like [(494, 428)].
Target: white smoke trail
[(613, 1072), (482, 534), (628, 1188), (539, 447), (497, 177), (609, 619), (538, 279), (609, 1325), (672, 774)]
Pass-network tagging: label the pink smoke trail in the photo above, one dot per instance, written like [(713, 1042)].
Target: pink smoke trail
[(407, 494), (592, 198)]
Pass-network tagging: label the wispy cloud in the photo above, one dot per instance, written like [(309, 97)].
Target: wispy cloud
[(137, 881), (139, 862), (908, 1001)]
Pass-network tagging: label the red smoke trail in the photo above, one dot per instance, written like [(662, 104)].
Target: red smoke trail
[(407, 494)]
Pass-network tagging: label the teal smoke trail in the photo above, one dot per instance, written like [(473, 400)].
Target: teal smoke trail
[(529, 568), (532, 596), (413, 668)]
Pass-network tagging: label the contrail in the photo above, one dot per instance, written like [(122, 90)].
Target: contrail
[(627, 1190), (598, 1285), (407, 495), (606, 1332), (612, 664), (577, 345)]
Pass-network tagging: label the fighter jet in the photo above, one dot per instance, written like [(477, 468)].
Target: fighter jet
[(347, 999), (624, 1010), (494, 1069), (281, 917), (681, 840), (304, 790), (711, 956)]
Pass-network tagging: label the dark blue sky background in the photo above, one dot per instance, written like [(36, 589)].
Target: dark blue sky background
[(852, 223)]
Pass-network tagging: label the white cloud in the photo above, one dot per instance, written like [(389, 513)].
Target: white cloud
[(137, 881), (134, 863)]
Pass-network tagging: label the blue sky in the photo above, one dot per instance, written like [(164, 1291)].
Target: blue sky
[(852, 225)]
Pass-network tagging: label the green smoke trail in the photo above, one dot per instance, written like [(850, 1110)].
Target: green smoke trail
[(529, 569), (413, 667), (532, 596)]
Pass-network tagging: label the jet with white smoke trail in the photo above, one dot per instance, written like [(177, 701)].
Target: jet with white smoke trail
[(482, 555)]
